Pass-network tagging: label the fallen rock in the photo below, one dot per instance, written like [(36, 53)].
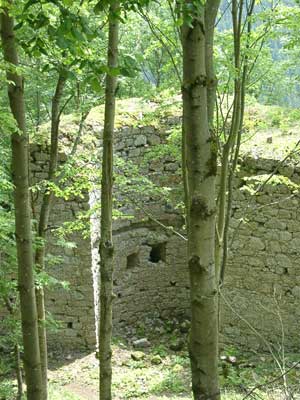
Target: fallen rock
[(141, 343), (178, 368), (138, 355), (229, 359), (156, 360)]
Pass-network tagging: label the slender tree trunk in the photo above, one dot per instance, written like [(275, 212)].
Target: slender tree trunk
[(32, 363), (237, 12), (201, 209), (106, 242), (211, 11), (241, 93), (42, 226), (225, 161), (18, 372), (18, 368), (38, 107)]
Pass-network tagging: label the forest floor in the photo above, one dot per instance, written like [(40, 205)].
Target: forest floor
[(158, 373)]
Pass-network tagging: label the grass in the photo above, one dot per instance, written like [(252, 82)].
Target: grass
[(59, 393), (269, 131)]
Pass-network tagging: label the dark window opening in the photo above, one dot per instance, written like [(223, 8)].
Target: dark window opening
[(158, 253), (132, 260), (70, 325)]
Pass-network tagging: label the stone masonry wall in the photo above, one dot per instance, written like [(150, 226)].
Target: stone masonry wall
[(72, 308), (262, 286), (150, 279)]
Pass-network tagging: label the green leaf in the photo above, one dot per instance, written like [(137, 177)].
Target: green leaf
[(77, 34), (29, 4), (95, 84), (41, 21), (19, 25), (46, 68), (51, 31), (62, 43), (40, 45), (128, 72), (101, 6), (71, 75)]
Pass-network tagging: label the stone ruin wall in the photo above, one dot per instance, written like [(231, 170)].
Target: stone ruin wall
[(71, 308), (150, 279), (262, 286)]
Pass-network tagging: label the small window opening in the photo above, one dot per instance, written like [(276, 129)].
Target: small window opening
[(70, 325), (158, 253), (132, 260)]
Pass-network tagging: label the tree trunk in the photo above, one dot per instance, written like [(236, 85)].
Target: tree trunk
[(106, 242), (235, 128), (32, 363), (211, 11), (18, 368), (18, 372), (42, 226), (201, 208), (240, 92)]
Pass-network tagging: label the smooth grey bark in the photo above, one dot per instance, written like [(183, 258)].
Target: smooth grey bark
[(18, 372), (106, 248), (234, 129), (238, 118), (47, 201), (231, 147), (19, 142), (211, 11), (200, 164)]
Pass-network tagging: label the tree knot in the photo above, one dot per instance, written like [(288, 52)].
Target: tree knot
[(195, 265), (199, 207)]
